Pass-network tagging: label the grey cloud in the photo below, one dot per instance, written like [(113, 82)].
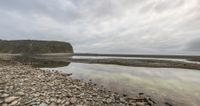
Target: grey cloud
[(193, 45), (128, 26)]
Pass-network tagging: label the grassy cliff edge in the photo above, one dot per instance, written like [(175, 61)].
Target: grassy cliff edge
[(34, 46)]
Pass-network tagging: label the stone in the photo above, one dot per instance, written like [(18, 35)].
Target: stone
[(67, 103), (35, 103), (53, 100), (59, 101), (43, 104), (1, 102), (1, 91), (10, 99), (122, 100), (14, 103), (40, 88), (52, 104), (4, 95), (109, 100), (4, 104), (20, 93), (133, 104), (140, 104), (73, 100)]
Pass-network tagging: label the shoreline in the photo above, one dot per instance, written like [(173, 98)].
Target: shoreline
[(139, 63), (22, 85)]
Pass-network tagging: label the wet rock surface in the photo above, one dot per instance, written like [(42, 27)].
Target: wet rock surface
[(26, 86)]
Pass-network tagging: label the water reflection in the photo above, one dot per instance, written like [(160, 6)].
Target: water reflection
[(177, 86), (41, 63)]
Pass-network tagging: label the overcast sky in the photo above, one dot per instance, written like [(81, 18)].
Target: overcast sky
[(106, 26)]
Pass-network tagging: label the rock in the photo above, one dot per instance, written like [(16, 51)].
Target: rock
[(73, 100), (107, 96), (140, 104), (133, 104), (10, 99), (53, 100), (52, 104), (82, 94), (67, 103), (1, 91), (4, 104), (63, 101), (47, 101), (4, 95), (27, 86), (122, 100), (58, 101), (109, 100), (35, 103), (14, 103), (43, 104), (20, 93), (1, 102)]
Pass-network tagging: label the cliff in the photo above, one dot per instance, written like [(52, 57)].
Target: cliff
[(34, 46)]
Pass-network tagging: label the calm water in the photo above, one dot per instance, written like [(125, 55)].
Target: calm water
[(176, 86)]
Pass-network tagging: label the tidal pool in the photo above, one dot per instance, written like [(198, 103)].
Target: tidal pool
[(180, 87)]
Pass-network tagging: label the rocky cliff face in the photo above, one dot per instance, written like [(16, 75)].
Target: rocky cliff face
[(34, 46)]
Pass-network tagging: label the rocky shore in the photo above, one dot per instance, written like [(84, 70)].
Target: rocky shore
[(22, 85)]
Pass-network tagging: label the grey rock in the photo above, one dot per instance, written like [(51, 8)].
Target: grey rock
[(140, 104), (1, 102), (109, 100), (59, 101), (4, 95), (1, 91), (14, 103), (20, 93), (43, 104), (52, 104), (54, 89), (10, 99), (73, 100), (67, 103), (4, 104)]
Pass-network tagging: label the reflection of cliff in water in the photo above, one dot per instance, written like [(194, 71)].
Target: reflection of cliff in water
[(40, 62)]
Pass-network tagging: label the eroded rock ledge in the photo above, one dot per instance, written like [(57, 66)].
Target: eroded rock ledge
[(26, 86)]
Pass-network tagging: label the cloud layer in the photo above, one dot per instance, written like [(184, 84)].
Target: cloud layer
[(106, 26)]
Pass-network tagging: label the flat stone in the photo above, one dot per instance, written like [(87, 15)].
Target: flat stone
[(14, 103), (67, 103), (140, 104), (1, 102), (109, 100), (10, 99), (43, 104), (4, 95), (20, 93), (5, 104), (73, 100), (1, 91), (58, 101), (52, 104)]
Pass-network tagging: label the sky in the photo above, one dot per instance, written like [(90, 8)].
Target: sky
[(106, 26)]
